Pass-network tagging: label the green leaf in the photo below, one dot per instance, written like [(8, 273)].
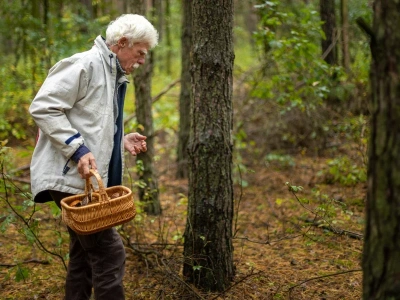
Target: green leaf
[(21, 273), (55, 211), (10, 218), (197, 268)]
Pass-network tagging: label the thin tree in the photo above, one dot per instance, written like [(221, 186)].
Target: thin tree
[(328, 17), (344, 9), (186, 86), (168, 39), (208, 246), (149, 195), (381, 254)]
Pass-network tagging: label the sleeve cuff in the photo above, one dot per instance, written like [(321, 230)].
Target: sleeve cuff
[(81, 151)]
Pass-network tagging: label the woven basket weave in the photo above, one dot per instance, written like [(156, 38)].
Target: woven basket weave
[(109, 207)]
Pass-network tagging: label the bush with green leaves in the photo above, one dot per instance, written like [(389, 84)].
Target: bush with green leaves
[(33, 46), (290, 88), (19, 212), (295, 72), (344, 171)]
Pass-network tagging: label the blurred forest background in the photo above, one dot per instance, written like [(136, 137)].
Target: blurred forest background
[(301, 97)]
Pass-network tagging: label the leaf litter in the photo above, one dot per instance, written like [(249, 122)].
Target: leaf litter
[(283, 246)]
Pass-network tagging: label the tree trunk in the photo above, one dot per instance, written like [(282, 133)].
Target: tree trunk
[(328, 16), (381, 256), (158, 14), (149, 195), (35, 6), (344, 8), (208, 246), (186, 86), (168, 40), (46, 12), (87, 4)]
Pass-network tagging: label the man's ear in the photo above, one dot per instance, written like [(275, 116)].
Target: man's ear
[(122, 42)]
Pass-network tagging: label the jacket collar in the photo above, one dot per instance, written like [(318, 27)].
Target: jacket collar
[(109, 57)]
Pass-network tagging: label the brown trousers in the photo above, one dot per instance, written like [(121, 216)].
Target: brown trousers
[(95, 261)]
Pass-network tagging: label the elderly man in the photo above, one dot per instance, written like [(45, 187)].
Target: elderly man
[(79, 112)]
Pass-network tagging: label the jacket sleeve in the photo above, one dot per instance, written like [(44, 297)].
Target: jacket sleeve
[(65, 84)]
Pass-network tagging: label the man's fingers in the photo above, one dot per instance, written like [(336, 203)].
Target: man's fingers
[(93, 165), (86, 163), (86, 171), (144, 147), (139, 136)]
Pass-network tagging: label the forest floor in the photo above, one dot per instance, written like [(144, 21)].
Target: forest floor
[(287, 245)]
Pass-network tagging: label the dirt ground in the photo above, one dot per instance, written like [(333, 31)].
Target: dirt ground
[(282, 250)]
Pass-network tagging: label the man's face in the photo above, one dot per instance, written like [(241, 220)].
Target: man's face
[(131, 58)]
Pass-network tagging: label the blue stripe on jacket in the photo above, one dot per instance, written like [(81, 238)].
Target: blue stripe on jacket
[(75, 136)]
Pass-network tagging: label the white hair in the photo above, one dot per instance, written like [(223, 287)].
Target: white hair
[(136, 28)]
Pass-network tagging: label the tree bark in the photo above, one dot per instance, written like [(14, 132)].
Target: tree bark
[(149, 195), (168, 40), (344, 8), (381, 256), (185, 94), (328, 17), (208, 246)]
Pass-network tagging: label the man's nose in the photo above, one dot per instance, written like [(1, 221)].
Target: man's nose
[(141, 61)]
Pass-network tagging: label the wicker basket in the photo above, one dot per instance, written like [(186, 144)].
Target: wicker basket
[(108, 207)]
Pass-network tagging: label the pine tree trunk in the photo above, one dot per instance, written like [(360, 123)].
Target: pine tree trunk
[(328, 16), (208, 246), (381, 257), (344, 7), (149, 195), (168, 39), (186, 86)]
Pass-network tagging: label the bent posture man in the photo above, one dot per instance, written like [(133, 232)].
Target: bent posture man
[(79, 112)]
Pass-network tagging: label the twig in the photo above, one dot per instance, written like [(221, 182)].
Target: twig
[(324, 276), (37, 240), (23, 168), (155, 98), (33, 260), (329, 49), (351, 234), (238, 204), (165, 90), (329, 226), (159, 256), (177, 278), (267, 242), (22, 180), (236, 283), (156, 244), (366, 28)]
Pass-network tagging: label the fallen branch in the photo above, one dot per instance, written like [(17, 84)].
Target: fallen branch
[(324, 276), (177, 278), (329, 226), (33, 260), (236, 283), (350, 234), (160, 257)]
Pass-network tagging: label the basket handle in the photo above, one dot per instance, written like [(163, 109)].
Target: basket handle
[(89, 187)]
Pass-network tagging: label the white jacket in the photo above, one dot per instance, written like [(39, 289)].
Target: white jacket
[(74, 106)]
